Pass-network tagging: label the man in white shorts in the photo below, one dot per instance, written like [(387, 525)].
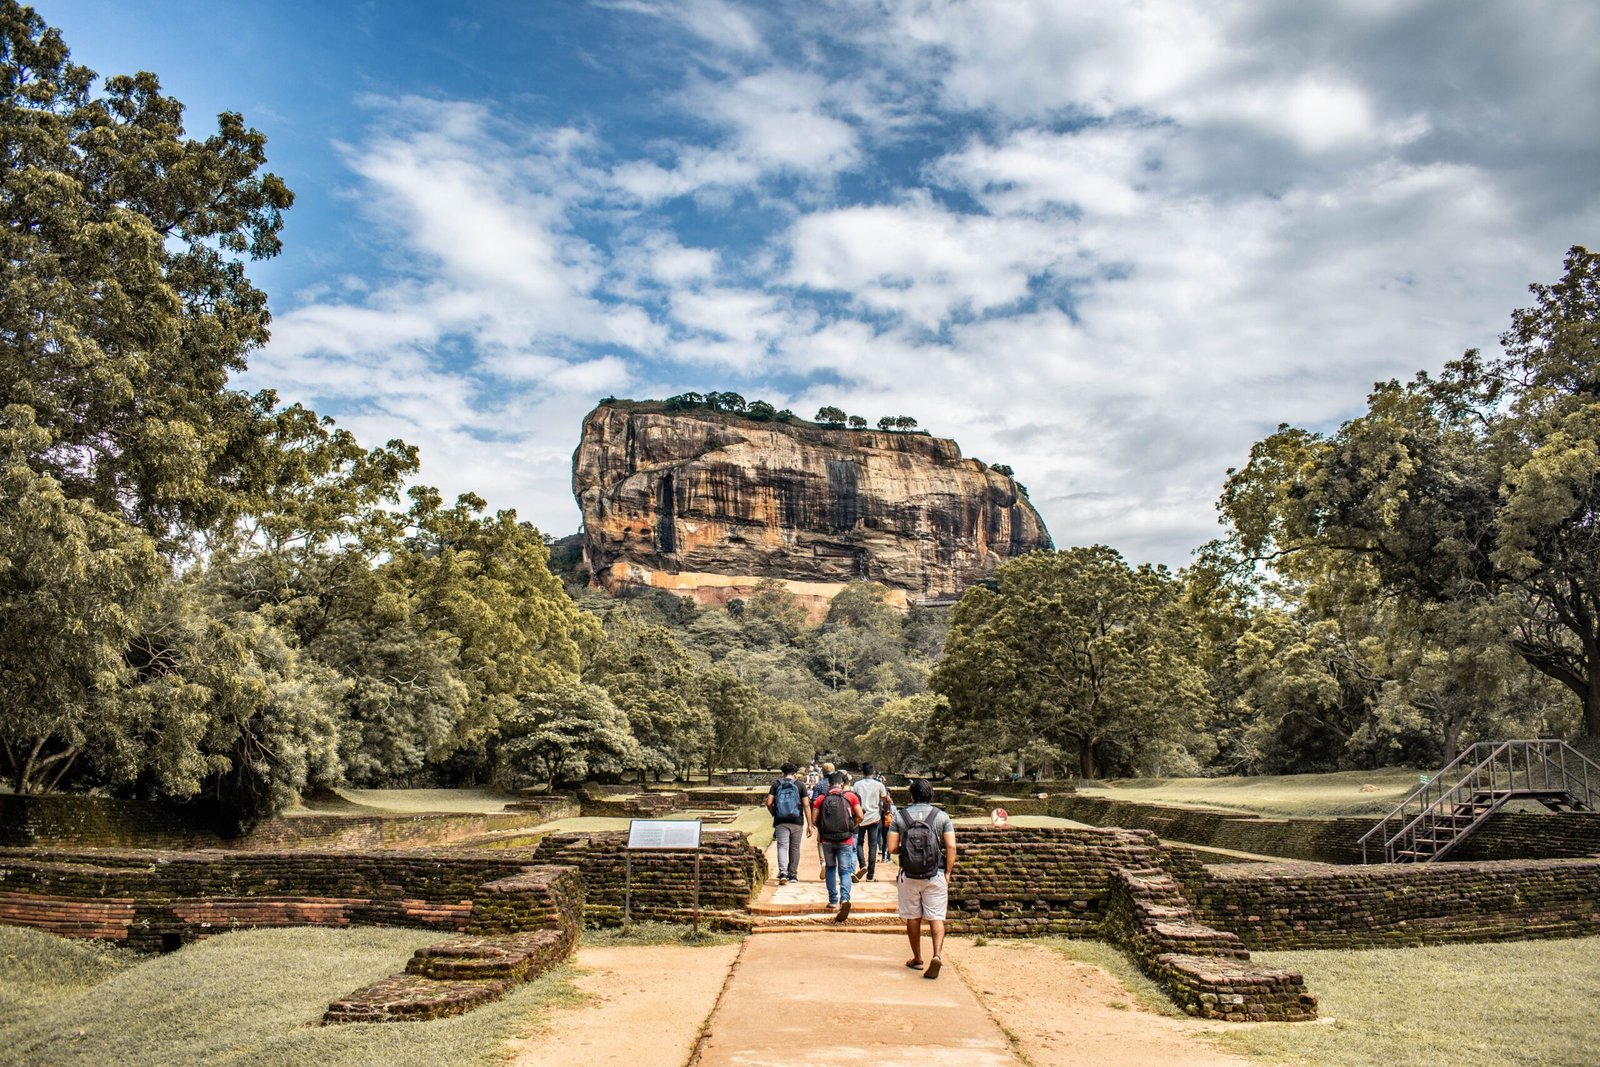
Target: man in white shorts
[(927, 865)]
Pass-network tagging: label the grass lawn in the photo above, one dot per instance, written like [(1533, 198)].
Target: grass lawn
[(254, 997), (408, 802), (1337, 793), (1525, 1003)]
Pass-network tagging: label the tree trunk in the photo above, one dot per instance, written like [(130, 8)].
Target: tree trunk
[(1591, 701), (1086, 767)]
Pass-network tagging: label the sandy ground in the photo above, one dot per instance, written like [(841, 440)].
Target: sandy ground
[(645, 1008), (649, 1005), (1060, 1011)]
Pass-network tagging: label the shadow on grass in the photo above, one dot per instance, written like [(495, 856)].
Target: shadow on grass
[(254, 997)]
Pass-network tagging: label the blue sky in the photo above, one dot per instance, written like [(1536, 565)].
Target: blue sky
[(1108, 244)]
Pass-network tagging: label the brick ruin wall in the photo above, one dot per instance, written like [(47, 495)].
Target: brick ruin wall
[(1301, 905), (1504, 835), (508, 921), (1113, 885), (731, 870), (101, 822)]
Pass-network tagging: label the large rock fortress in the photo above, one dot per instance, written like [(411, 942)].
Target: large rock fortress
[(707, 504)]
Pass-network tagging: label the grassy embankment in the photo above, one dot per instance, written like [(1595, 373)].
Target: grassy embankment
[(1520, 1004), (1337, 793), (254, 997)]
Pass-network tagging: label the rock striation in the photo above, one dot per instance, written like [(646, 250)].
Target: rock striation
[(707, 504)]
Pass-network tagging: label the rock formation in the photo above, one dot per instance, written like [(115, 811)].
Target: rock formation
[(707, 504)]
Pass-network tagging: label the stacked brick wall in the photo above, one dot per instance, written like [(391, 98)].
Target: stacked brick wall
[(634, 806), (1111, 884), (1504, 835), (1297, 905), (1027, 882), (101, 822), (731, 870), (156, 897)]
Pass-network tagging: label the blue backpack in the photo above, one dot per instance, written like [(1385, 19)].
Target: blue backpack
[(786, 802)]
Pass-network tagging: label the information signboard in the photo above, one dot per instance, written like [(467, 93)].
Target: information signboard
[(664, 833)]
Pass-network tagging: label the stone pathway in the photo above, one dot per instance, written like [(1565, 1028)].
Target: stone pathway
[(803, 905), (816, 997)]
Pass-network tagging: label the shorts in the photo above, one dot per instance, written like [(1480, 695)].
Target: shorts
[(923, 898)]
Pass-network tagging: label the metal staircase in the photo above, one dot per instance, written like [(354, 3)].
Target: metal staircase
[(1436, 818)]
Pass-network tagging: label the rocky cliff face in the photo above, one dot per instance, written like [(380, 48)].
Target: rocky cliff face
[(707, 504)]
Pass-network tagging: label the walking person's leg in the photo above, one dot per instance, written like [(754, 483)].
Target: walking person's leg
[(780, 850), (830, 867), (935, 902), (909, 906), (797, 833), (869, 836), (914, 935), (845, 857)]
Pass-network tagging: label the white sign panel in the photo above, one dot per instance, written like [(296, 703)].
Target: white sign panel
[(664, 833)]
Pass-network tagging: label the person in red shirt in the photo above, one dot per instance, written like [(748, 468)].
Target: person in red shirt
[(836, 814)]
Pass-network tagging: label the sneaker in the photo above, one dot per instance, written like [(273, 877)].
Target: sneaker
[(858, 875), (782, 880), (843, 913)]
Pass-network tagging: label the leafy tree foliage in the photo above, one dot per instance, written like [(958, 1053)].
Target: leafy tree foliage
[(1075, 653), (830, 416), (567, 732), (123, 302), (1472, 497)]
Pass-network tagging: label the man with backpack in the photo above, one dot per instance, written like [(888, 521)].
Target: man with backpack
[(789, 823), (836, 814), (924, 839)]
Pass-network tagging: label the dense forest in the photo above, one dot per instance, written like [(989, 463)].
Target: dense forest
[(206, 595)]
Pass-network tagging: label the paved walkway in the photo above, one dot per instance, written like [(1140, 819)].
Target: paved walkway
[(816, 997)]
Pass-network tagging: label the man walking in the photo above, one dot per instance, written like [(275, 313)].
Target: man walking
[(870, 792), (925, 840), (790, 822), (836, 814)]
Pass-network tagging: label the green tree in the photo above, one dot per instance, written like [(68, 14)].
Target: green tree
[(485, 580), (857, 422), (1472, 489), (651, 677), (566, 732), (897, 734), (75, 583), (124, 305), (1075, 651), (830, 416)]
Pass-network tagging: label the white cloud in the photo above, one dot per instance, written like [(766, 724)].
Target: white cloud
[(1109, 245)]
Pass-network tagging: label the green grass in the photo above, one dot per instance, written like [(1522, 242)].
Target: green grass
[(253, 997), (649, 932), (407, 801), (1337, 793), (1521, 1003)]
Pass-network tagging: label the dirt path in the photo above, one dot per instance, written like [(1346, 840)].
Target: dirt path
[(762, 1004), (646, 1006), (1060, 1012)]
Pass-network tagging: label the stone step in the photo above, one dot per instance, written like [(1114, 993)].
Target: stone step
[(824, 923)]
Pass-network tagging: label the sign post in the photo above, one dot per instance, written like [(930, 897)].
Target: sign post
[(662, 835)]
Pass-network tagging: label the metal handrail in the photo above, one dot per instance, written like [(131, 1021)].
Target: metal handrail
[(1435, 800)]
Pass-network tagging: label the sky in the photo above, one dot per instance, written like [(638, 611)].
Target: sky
[(1109, 244)]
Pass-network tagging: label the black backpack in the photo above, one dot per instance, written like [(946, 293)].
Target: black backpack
[(835, 823), (920, 849)]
